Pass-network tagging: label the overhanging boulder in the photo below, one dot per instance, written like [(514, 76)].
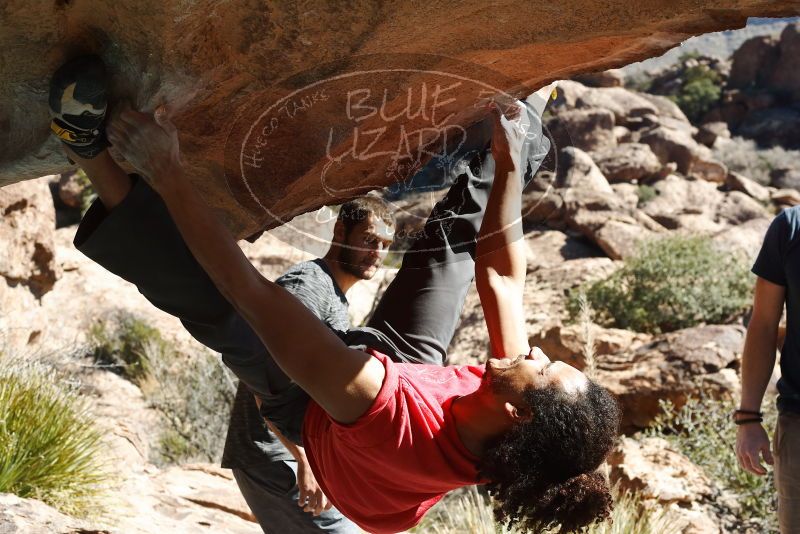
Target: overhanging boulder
[(228, 69)]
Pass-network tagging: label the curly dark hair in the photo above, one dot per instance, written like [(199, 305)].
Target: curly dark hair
[(543, 472)]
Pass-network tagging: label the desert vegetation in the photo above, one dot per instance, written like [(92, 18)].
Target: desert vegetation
[(640, 242), (470, 510), (193, 392), (670, 283), (702, 429), (49, 447)]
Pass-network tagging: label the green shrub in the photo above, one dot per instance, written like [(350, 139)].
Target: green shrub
[(670, 283), (646, 193), (700, 90), (123, 342), (703, 431), (470, 510), (49, 448), (641, 82), (194, 394)]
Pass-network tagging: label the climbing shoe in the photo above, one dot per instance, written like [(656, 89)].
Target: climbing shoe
[(78, 105)]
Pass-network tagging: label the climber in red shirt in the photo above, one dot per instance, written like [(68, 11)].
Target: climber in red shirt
[(387, 440)]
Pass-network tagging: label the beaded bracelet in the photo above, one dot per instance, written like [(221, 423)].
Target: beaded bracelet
[(745, 421)]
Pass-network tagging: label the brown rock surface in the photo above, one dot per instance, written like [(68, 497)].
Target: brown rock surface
[(708, 133), (577, 170), (70, 190), (738, 182), (654, 469), (764, 81), (545, 288), (785, 178), (220, 65), (566, 343), (543, 207), (772, 126), (662, 476), (755, 56), (627, 162), (623, 103), (689, 205), (31, 516), (608, 221), (738, 208), (183, 499), (673, 367), (672, 145), (785, 197), (745, 238), (550, 248), (667, 109), (785, 75), (26, 232), (187, 499), (586, 129), (605, 78)]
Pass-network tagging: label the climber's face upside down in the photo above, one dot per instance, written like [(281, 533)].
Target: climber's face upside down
[(507, 379)]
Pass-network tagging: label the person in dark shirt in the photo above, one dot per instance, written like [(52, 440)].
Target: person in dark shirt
[(273, 473), (777, 268)]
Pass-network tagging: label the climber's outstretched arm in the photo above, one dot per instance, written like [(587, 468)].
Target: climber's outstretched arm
[(500, 264), (342, 380)]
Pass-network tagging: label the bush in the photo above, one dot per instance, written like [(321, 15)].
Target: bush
[(700, 90), (49, 448), (470, 510), (745, 157), (194, 393), (646, 193), (703, 431), (670, 283), (123, 343)]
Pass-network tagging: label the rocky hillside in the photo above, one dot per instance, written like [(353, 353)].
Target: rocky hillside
[(754, 92), (627, 168)]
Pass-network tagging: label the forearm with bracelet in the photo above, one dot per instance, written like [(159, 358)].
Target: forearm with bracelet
[(753, 417)]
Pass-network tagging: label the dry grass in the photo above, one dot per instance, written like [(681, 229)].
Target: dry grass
[(193, 392), (470, 511)]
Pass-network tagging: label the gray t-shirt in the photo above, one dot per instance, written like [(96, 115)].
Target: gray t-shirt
[(249, 441)]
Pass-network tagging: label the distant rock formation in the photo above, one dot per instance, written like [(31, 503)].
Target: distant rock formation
[(761, 100)]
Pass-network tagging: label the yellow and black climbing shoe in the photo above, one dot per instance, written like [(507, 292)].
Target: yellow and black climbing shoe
[(78, 105)]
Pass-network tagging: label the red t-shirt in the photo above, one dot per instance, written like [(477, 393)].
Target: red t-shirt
[(388, 468)]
